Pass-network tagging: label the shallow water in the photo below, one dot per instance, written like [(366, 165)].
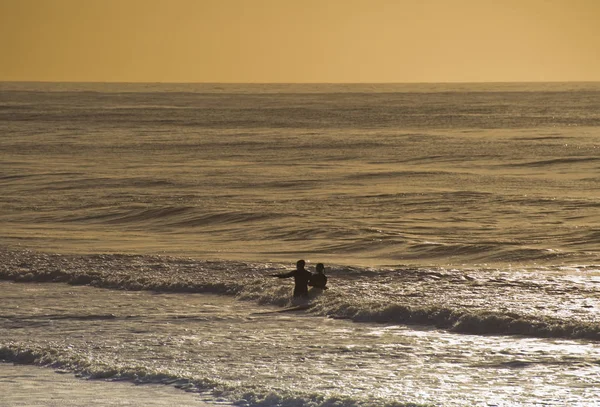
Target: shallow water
[(29, 386), (241, 351)]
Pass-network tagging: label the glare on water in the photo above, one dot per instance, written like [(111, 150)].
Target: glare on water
[(238, 347)]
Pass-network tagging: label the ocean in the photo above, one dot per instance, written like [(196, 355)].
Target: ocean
[(459, 225)]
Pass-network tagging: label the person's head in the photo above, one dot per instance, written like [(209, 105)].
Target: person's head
[(320, 268), (300, 264)]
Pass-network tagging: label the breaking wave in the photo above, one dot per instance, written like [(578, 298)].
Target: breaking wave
[(93, 368), (457, 301)]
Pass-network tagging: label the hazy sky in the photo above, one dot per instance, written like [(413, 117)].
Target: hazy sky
[(300, 40)]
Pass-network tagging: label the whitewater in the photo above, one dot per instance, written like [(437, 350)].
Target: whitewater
[(459, 225)]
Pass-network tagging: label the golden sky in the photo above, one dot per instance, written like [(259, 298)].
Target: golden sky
[(300, 40)]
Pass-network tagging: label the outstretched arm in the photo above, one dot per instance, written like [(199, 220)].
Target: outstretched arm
[(283, 275)]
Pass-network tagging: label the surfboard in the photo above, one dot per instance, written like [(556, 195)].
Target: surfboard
[(288, 309), (295, 308)]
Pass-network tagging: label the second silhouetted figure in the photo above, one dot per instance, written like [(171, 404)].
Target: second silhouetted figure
[(319, 279)]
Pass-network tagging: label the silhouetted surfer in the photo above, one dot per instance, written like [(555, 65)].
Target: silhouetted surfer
[(301, 279), (319, 279)]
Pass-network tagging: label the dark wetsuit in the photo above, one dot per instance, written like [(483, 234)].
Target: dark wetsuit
[(301, 279), (318, 280)]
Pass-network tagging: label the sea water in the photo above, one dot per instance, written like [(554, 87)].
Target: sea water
[(459, 225)]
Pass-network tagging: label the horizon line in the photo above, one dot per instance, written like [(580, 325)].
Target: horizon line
[(302, 83)]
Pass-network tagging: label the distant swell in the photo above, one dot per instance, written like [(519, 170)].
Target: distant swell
[(484, 251), (176, 217), (557, 161)]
